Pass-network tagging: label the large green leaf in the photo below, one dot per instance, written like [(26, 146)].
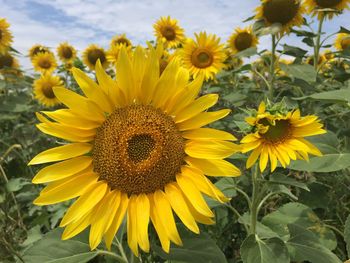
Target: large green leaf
[(304, 72), (347, 234), (278, 178), (334, 95), (303, 245), (272, 250)]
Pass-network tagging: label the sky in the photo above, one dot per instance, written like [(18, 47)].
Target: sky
[(85, 22)]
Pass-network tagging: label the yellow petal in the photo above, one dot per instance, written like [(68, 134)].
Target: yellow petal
[(198, 216), (138, 65), (143, 214), (132, 225), (61, 153), (66, 133), (150, 78), (273, 159), (250, 138), (246, 147), (214, 167), (124, 74), (264, 157), (208, 134), (253, 157), (312, 148), (210, 149), (76, 227)]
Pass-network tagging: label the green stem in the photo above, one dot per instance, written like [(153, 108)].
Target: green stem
[(113, 255), (238, 215), (317, 45), (239, 190), (272, 67), (255, 200)]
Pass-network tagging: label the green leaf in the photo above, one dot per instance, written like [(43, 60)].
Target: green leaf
[(247, 52), (16, 184), (278, 178), (293, 51), (34, 234), (303, 245), (341, 95), (304, 72), (255, 250), (323, 164), (347, 235), (196, 248), (344, 30)]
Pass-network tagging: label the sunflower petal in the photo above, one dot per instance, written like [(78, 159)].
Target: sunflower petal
[(143, 215), (210, 149), (214, 167), (208, 134), (132, 225)]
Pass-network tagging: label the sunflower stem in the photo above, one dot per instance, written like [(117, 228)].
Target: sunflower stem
[(317, 45), (272, 66), (255, 200), (113, 255)]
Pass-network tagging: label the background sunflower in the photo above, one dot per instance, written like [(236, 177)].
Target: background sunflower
[(93, 53), (5, 36), (169, 32)]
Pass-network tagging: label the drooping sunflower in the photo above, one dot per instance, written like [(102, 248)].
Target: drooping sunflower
[(203, 56), (242, 39), (287, 13), (43, 89), (44, 62), (313, 6), (342, 41), (120, 40), (93, 53), (169, 32), (36, 49), (5, 36), (7, 61), (280, 137), (67, 53), (137, 148)]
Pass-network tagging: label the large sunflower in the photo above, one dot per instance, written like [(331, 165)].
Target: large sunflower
[(312, 7), (342, 41), (136, 148), (43, 89), (280, 137), (120, 40), (44, 62), (5, 36), (36, 49), (242, 39), (93, 53), (287, 13), (204, 56), (66, 52), (169, 32)]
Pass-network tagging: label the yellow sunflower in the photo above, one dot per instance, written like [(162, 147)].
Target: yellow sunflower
[(312, 7), (321, 60), (204, 56), (287, 13), (280, 137), (342, 41), (5, 36), (43, 89), (44, 62), (93, 53), (136, 148), (36, 49), (169, 32), (113, 53), (120, 40), (242, 39), (66, 52)]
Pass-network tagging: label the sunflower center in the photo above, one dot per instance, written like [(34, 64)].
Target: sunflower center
[(345, 43), (202, 58), (122, 41), (96, 54), (6, 60), (169, 33), (44, 63), (328, 3), (243, 41), (67, 52), (280, 11), (48, 92), (38, 50), (278, 132), (138, 149)]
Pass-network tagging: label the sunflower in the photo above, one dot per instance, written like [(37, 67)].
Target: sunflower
[(93, 53), (342, 41), (66, 52), (312, 7), (113, 53), (36, 49), (321, 60), (203, 56), (120, 40), (136, 148), (280, 137), (44, 62), (287, 13), (5, 36), (169, 32), (9, 67), (242, 39), (43, 89)]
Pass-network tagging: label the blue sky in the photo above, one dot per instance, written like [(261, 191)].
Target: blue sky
[(84, 22)]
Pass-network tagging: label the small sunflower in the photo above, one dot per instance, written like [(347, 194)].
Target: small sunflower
[(43, 89), (242, 39), (312, 7), (287, 13), (136, 149), (321, 60), (36, 49), (169, 32), (93, 53), (44, 62), (66, 52), (203, 56), (280, 137), (120, 40), (5, 36), (9, 65), (342, 41)]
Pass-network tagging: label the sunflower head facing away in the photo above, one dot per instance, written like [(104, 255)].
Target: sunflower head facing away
[(242, 39), (43, 89), (169, 32), (280, 137), (36, 49), (5, 36), (120, 40), (203, 56), (44, 62), (314, 7), (66, 52), (92, 54), (342, 42), (7, 61), (287, 13), (136, 147)]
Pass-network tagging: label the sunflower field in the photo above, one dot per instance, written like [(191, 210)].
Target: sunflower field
[(184, 149)]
